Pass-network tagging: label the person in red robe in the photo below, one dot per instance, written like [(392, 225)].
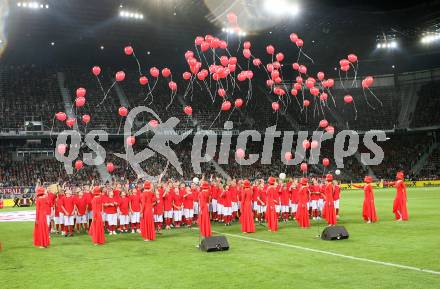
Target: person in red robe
[(148, 231), (204, 221), (329, 212), (247, 215), (97, 226), (41, 229), (368, 208), (271, 202), (400, 209), (302, 210)]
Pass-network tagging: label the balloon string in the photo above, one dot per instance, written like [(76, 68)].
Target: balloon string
[(120, 123), (173, 93), (381, 104), (51, 130), (354, 83), (340, 80), (333, 98), (301, 51), (210, 94), (355, 110), (231, 113), (366, 100), (100, 85), (106, 94), (215, 119), (139, 65)]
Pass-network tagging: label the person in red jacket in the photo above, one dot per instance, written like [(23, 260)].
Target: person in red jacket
[(68, 209), (234, 199), (336, 197), (111, 212), (41, 229), (400, 209), (294, 189), (188, 206), (178, 205), (59, 215), (261, 202), (204, 221), (226, 196), (302, 212), (368, 208), (168, 197), (88, 196), (195, 194), (96, 230), (285, 202), (81, 209), (50, 199), (272, 201), (247, 215), (124, 211), (148, 200), (135, 210), (158, 210), (329, 206), (315, 193)]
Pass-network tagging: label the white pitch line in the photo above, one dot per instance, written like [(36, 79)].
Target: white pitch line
[(334, 254)]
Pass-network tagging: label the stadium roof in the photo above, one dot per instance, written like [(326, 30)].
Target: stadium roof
[(74, 31)]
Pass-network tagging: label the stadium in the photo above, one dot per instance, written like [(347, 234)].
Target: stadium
[(219, 144)]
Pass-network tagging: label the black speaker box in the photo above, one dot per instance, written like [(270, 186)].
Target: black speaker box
[(334, 233), (214, 244)]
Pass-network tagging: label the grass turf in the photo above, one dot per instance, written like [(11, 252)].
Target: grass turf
[(172, 261)]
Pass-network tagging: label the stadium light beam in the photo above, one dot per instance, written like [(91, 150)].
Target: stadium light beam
[(281, 7), (32, 5), (131, 15)]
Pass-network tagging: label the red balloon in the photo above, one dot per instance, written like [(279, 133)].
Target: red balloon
[(306, 102), (256, 61), (123, 111), (323, 123), (288, 156), (241, 76), (330, 82), (201, 75), (110, 167), (221, 92), (233, 60), (279, 57), (80, 101), (154, 71), (239, 153), (198, 40), (352, 58), (232, 18), (120, 76), (226, 105), (325, 162), (224, 60), (314, 144), (314, 91), (293, 37), (302, 69), (345, 68), (369, 80), (275, 74), (309, 83), (153, 123), (320, 75), (79, 164), (128, 50), (278, 80), (70, 122), (61, 116), (166, 72), (238, 102), (205, 46), (275, 106), (295, 66), (304, 167), (330, 129), (186, 75), (344, 62), (270, 49), (188, 110), (131, 140), (297, 86), (81, 92), (247, 45), (348, 99), (323, 96), (143, 80), (269, 82), (306, 144), (172, 85), (276, 65), (223, 44), (299, 42), (189, 54), (96, 70), (247, 53), (61, 149), (86, 118), (294, 92)]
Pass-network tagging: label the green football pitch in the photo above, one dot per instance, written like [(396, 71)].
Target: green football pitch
[(387, 254)]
